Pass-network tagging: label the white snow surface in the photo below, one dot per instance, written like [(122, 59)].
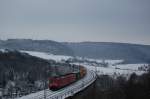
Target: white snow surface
[(2, 50), (133, 67), (113, 67), (119, 70), (47, 55), (112, 62)]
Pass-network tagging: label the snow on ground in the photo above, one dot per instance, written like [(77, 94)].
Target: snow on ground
[(133, 67), (63, 57), (115, 72), (2, 50), (47, 55), (116, 68), (112, 62), (113, 67)]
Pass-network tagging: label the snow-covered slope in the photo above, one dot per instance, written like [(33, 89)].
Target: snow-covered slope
[(113, 67), (124, 69), (47, 55), (133, 67), (111, 62)]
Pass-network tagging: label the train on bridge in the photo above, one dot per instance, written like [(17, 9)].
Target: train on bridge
[(59, 82)]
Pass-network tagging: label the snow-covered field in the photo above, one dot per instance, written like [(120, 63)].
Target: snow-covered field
[(111, 62), (113, 67), (47, 55), (133, 67), (115, 71)]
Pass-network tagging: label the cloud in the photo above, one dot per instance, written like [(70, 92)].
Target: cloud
[(99, 20)]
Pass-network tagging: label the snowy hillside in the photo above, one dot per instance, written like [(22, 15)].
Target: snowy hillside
[(114, 66), (47, 55)]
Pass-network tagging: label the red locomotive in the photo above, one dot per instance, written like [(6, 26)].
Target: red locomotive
[(56, 83)]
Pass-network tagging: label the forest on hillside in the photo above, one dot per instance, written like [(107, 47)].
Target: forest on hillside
[(22, 74)]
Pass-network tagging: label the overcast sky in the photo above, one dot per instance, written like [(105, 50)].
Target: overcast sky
[(76, 20)]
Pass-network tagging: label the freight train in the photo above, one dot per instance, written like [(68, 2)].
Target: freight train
[(56, 83)]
